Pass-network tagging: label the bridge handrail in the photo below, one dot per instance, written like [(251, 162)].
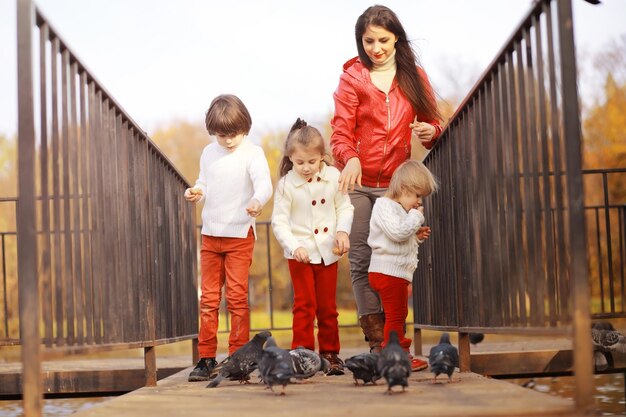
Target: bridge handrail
[(497, 258), (115, 264)]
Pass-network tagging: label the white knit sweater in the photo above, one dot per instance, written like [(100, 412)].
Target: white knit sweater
[(229, 180), (393, 240)]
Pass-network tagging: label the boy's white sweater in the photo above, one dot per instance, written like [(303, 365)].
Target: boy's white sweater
[(393, 240), (229, 180)]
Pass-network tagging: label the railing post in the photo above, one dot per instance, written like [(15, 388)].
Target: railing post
[(578, 250), (149, 358), (32, 390), (195, 356), (464, 352), (418, 348)]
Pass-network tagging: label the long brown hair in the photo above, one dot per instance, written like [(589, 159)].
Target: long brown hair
[(303, 135), (413, 86)]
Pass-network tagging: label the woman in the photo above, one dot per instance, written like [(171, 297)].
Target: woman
[(382, 99)]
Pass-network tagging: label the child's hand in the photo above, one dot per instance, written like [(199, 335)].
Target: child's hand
[(193, 195), (301, 255), (423, 233), (254, 207), (342, 243)]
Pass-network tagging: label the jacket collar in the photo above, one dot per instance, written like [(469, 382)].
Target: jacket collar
[(298, 181), (356, 69)]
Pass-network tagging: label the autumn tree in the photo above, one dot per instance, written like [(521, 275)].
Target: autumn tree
[(604, 147)]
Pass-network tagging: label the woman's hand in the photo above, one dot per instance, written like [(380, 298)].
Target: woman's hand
[(301, 255), (350, 175), (425, 132), (342, 243), (193, 195)]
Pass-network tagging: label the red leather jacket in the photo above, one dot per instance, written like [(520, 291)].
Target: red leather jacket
[(372, 125)]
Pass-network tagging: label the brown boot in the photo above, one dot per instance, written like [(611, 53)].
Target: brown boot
[(335, 366), (373, 326)]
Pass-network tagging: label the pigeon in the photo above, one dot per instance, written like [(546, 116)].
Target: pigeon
[(443, 358), (276, 366), (393, 363), (239, 365), (307, 363), (364, 367), (476, 338), (606, 340)]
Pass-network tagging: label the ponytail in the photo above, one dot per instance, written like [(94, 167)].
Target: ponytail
[(302, 134)]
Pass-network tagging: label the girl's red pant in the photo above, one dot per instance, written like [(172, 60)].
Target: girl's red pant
[(394, 295), (224, 260), (315, 289)]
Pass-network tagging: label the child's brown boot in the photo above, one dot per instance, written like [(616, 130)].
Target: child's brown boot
[(336, 364)]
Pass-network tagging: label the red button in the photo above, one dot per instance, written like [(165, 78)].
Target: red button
[(316, 231), (310, 179), (322, 200), (314, 202), (318, 179), (325, 229)]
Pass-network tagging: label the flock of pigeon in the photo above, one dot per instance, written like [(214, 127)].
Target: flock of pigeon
[(278, 366)]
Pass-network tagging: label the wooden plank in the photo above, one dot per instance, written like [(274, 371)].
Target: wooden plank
[(473, 395), (577, 267), (44, 272), (26, 214), (84, 382), (91, 375), (513, 364)]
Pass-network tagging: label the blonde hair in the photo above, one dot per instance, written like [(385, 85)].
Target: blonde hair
[(411, 176)]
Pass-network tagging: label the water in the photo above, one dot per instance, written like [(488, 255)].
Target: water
[(608, 391), (52, 407)]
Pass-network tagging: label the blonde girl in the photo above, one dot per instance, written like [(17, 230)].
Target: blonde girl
[(396, 229)]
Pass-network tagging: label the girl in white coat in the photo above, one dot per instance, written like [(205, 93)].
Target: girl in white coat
[(312, 220)]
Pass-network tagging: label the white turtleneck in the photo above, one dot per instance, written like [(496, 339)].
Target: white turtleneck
[(382, 74)]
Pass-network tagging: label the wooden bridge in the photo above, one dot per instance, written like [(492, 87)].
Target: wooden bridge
[(106, 244)]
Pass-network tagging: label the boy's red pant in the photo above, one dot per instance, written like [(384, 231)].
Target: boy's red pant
[(394, 295), (314, 289), (224, 260)]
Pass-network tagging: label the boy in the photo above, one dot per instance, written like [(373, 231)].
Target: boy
[(234, 183)]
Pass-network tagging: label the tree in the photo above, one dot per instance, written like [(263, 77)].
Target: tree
[(604, 144)]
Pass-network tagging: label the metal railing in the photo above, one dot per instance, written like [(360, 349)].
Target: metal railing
[(606, 249), (606, 237), (508, 251), (106, 246)]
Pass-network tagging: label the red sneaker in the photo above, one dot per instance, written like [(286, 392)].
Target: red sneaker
[(417, 364)]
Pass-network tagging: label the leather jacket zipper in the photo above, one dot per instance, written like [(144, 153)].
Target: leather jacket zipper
[(380, 172)]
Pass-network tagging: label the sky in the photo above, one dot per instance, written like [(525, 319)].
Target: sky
[(165, 60)]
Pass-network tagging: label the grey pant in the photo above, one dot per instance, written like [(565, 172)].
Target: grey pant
[(367, 300)]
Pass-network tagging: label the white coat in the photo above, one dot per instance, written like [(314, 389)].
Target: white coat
[(309, 213)]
